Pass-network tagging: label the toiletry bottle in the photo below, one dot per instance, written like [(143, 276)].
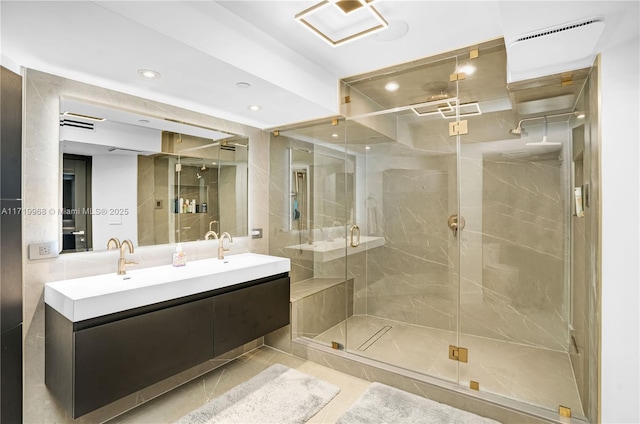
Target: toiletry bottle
[(193, 205), (181, 210), (179, 257)]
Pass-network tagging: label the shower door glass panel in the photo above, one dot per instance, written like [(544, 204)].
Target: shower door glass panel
[(513, 247), (315, 185), (405, 297)]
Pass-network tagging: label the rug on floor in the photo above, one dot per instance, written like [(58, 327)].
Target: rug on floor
[(385, 404), (278, 394)]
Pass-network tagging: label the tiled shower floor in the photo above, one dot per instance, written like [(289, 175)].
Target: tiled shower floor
[(536, 376)]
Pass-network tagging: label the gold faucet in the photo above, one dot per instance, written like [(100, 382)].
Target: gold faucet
[(113, 240), (122, 263), (221, 248)]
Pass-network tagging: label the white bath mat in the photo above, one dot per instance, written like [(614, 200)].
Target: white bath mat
[(385, 404), (278, 394)]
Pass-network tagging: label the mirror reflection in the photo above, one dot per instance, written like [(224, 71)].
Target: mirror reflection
[(147, 179)]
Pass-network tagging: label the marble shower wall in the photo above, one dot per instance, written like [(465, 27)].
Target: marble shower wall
[(42, 190), (524, 240), (411, 278), (513, 281)]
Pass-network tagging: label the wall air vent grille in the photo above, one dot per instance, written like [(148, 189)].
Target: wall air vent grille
[(561, 29), (230, 148), (77, 124)]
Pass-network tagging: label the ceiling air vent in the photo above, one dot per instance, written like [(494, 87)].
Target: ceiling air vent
[(554, 31), (77, 124), (557, 48), (227, 147)]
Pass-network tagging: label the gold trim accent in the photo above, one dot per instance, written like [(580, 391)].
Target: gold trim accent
[(276, 133), (566, 79), (347, 99), (334, 122), (458, 353), (348, 6), (474, 53), (564, 411), (463, 355), (458, 128), (335, 345), (474, 385), (457, 76)]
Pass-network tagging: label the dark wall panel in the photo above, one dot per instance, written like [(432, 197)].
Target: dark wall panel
[(10, 247)]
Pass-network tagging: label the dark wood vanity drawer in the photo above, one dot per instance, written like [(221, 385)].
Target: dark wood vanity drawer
[(249, 313), (122, 357)]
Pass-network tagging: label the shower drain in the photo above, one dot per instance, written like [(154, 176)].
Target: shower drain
[(374, 338)]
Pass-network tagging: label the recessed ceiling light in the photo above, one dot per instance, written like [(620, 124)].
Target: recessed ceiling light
[(392, 86), (243, 85), (254, 107), (367, 147), (334, 135), (148, 73), (580, 115)]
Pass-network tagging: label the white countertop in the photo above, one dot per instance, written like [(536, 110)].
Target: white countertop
[(89, 297)]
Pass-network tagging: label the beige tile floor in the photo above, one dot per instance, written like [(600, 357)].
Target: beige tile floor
[(532, 375), (184, 399)]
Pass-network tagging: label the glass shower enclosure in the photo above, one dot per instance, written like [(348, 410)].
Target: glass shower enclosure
[(427, 236)]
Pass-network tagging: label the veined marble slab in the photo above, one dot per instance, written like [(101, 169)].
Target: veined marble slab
[(324, 250), (89, 297)]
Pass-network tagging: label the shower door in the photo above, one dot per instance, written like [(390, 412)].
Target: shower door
[(405, 299), (513, 247)]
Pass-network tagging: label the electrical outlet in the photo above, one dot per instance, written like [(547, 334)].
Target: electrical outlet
[(44, 250)]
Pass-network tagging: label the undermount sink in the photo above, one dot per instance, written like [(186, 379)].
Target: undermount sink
[(324, 250), (89, 297)]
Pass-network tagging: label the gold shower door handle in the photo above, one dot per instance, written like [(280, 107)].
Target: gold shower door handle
[(355, 228), (455, 224)]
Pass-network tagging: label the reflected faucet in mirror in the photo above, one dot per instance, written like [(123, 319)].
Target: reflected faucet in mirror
[(221, 248), (122, 263), (210, 235), (114, 241)]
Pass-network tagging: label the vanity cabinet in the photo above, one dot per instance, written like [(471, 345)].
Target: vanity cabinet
[(246, 314), (91, 363)]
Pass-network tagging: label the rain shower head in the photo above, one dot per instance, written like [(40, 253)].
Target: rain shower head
[(544, 141)]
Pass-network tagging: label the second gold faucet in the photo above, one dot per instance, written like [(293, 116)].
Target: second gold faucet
[(221, 248)]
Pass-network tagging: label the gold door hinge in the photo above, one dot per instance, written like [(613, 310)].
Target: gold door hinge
[(473, 53), (347, 99), (566, 79), (458, 128), (474, 385), (459, 354), (457, 76), (564, 411), (334, 121), (276, 133)]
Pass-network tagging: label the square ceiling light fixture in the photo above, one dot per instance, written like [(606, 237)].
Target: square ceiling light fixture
[(448, 108), (340, 21)]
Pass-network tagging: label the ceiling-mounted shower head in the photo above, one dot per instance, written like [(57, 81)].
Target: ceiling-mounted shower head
[(519, 130)]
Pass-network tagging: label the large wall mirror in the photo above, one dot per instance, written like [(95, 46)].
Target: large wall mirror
[(148, 179)]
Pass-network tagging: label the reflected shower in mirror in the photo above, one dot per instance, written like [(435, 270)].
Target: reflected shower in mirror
[(133, 184)]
